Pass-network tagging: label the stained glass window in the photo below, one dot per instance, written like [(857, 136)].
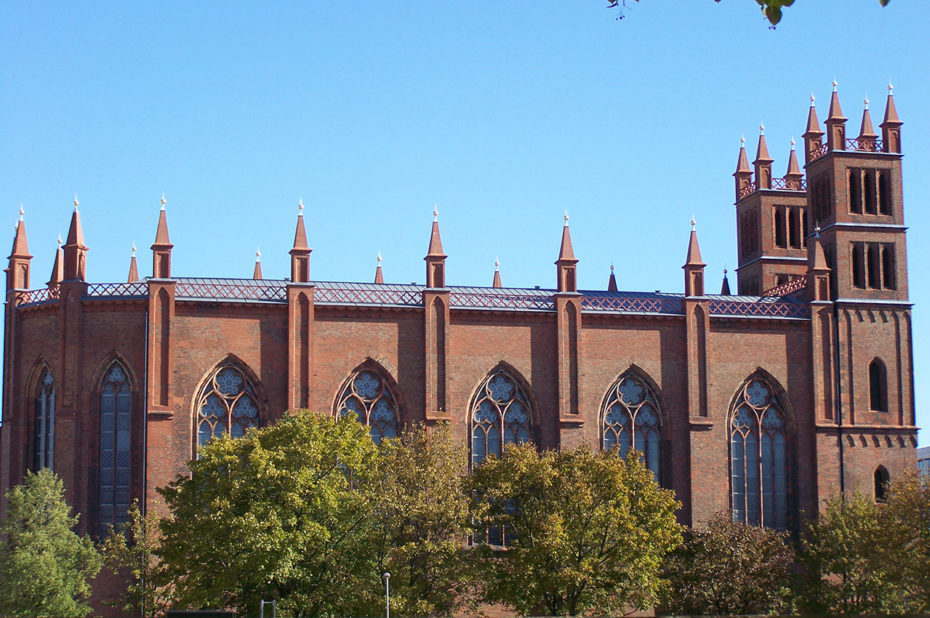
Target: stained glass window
[(631, 420), (115, 449), (367, 397), (43, 429), (228, 403), (500, 415), (758, 458)]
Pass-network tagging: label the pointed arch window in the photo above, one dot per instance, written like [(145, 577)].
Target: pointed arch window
[(43, 428), (228, 403), (878, 386), (115, 447), (500, 414), (759, 457), (367, 396), (881, 480), (631, 420)]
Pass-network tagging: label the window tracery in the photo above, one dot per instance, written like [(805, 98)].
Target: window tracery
[(43, 429), (228, 403), (631, 420), (501, 409), (759, 458), (115, 448), (366, 396)]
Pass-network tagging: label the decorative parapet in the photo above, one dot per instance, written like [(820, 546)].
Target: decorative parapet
[(792, 286)]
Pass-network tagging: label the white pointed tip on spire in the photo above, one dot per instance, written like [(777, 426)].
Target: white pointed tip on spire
[(693, 223), (21, 212), (435, 212), (163, 200), (611, 267), (817, 232), (300, 206), (792, 142), (742, 141), (834, 84), (258, 254), (761, 128), (813, 98), (133, 249), (379, 258), (565, 217), (497, 263), (76, 203), (866, 102), (890, 88)]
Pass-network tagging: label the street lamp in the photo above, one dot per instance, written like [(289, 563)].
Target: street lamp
[(387, 594)]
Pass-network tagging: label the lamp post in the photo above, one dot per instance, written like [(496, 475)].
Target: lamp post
[(387, 594)]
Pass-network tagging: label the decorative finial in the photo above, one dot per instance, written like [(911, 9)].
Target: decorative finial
[(866, 102), (742, 141), (890, 88), (435, 212), (379, 258), (834, 84), (21, 211), (133, 248), (693, 223), (566, 218), (163, 200), (59, 240), (497, 263), (761, 128), (817, 232), (300, 206), (813, 98), (611, 267), (76, 203), (724, 272), (792, 142), (258, 254)]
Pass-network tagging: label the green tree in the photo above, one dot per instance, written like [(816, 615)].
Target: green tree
[(772, 9), (588, 530), (731, 568), (131, 551), (422, 515), (44, 565), (842, 555), (280, 513), (906, 542)]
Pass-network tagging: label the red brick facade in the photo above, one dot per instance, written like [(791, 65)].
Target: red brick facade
[(812, 341)]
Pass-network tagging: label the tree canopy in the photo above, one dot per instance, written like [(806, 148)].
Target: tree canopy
[(44, 565), (587, 530)]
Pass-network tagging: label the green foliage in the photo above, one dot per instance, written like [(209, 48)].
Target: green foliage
[(589, 530), (422, 515), (44, 564), (131, 552), (906, 543), (278, 514), (731, 568), (771, 9), (843, 557)]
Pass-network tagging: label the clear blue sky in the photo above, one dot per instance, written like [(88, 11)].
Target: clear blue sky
[(505, 114)]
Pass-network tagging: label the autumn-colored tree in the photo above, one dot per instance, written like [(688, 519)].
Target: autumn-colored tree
[(726, 567), (906, 542), (587, 530), (131, 552), (422, 521), (44, 565)]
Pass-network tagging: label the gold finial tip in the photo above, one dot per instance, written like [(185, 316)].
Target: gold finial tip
[(565, 218), (163, 200), (258, 253), (497, 263), (300, 206), (133, 249), (379, 258)]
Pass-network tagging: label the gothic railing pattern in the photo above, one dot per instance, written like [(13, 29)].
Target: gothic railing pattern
[(368, 294), (823, 149), (791, 286), (34, 297), (777, 183), (748, 189), (761, 308), (231, 289), (514, 299), (869, 144), (122, 290), (633, 304)]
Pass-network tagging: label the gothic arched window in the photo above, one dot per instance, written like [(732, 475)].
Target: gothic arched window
[(115, 449), (43, 428), (631, 420), (367, 396), (759, 457), (878, 386), (227, 402), (500, 409), (882, 479)]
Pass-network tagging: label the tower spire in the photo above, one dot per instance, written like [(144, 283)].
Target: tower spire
[(567, 262), (133, 267), (743, 173), (813, 136), (612, 281), (794, 175), (379, 274), (763, 162), (694, 266), (435, 258), (257, 273), (300, 252), (836, 123), (17, 272), (161, 248), (725, 286), (75, 251), (867, 134), (891, 125), (497, 274)]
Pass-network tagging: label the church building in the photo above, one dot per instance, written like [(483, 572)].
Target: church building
[(763, 403)]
